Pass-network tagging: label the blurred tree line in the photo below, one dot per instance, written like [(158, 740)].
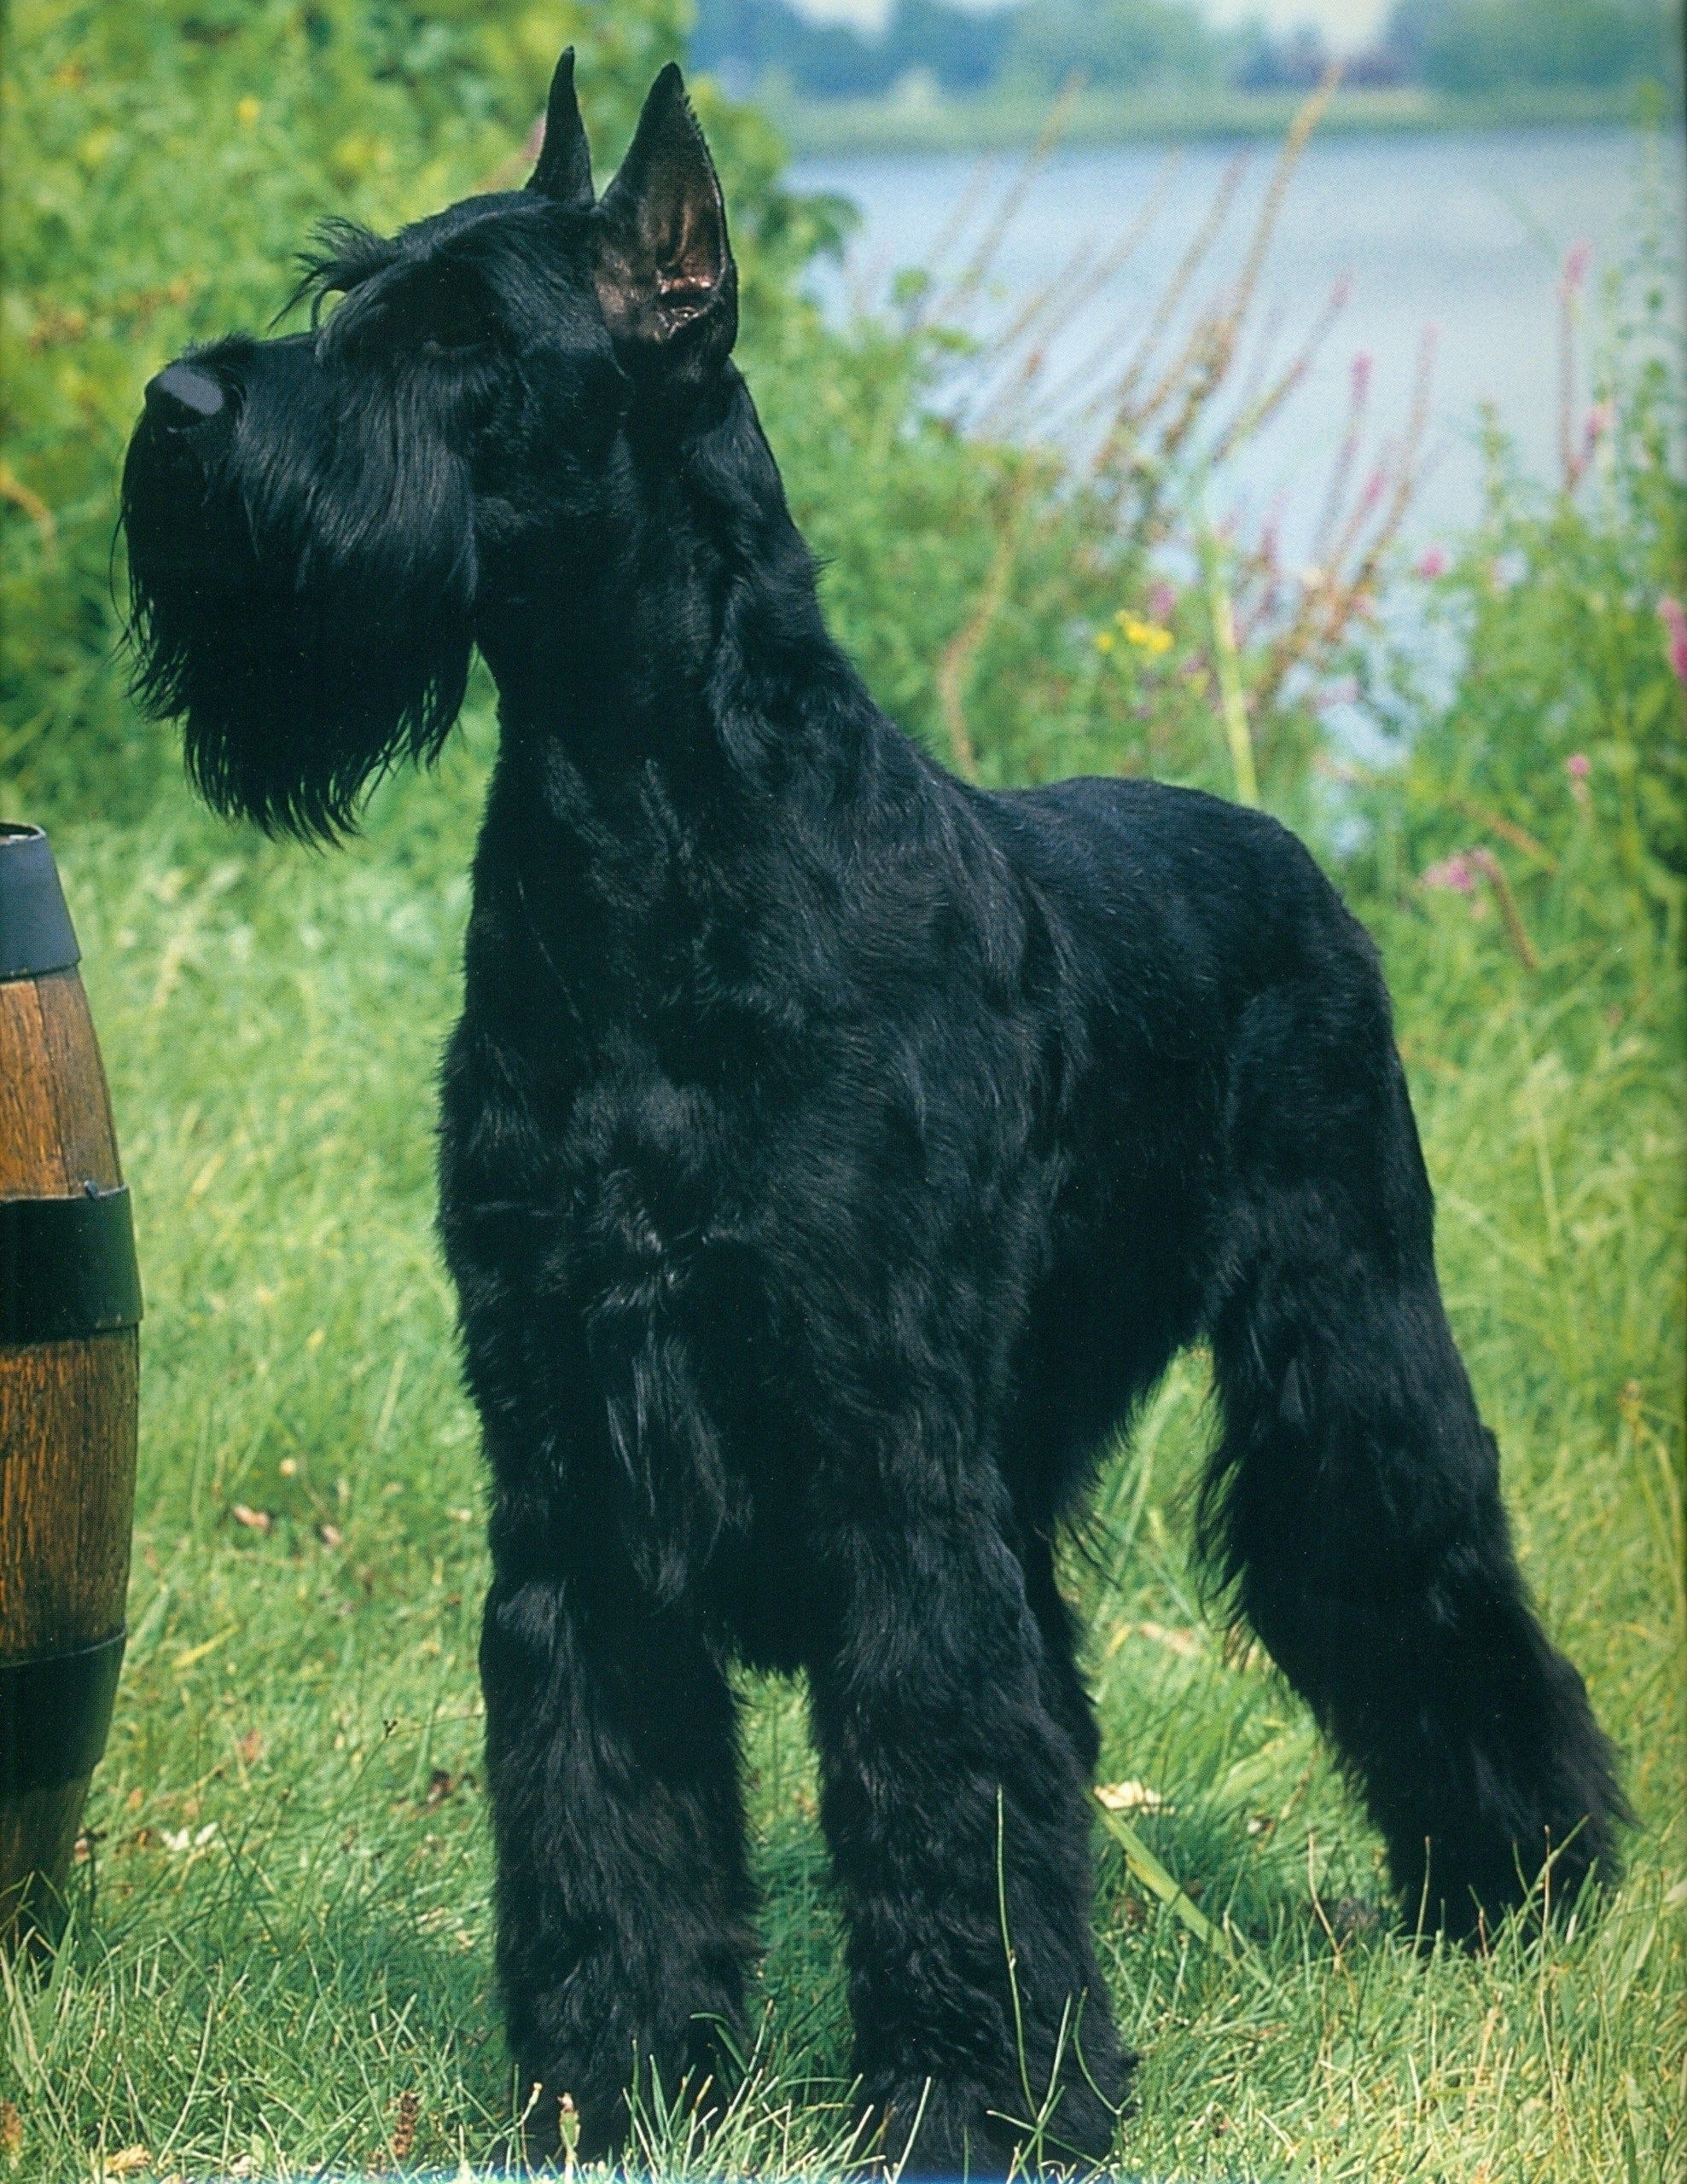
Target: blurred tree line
[(1486, 45), (1460, 47)]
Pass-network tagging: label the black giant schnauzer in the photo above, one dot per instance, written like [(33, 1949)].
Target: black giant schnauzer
[(832, 1155)]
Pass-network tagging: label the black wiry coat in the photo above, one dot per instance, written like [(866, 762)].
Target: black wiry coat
[(831, 1155)]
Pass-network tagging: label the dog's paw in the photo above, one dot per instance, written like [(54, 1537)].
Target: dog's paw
[(929, 2133)]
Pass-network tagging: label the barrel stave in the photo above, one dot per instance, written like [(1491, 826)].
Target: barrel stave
[(67, 1408), (66, 1479), (55, 1124)]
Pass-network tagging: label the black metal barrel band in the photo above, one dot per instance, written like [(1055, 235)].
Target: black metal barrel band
[(68, 1267), (55, 1712), (36, 933)]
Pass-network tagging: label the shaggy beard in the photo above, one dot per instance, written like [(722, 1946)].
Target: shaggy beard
[(303, 606)]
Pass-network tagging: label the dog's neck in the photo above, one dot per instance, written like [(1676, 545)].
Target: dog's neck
[(684, 639), (683, 755)]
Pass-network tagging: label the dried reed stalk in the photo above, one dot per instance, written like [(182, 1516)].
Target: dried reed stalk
[(1103, 269), (955, 298), (955, 666)]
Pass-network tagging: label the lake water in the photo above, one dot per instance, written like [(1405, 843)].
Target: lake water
[(1467, 234)]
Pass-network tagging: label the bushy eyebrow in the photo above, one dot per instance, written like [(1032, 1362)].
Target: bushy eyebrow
[(341, 256)]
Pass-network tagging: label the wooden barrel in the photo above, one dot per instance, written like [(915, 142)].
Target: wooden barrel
[(70, 1307)]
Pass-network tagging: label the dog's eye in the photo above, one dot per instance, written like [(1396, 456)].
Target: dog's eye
[(439, 316), (456, 321)]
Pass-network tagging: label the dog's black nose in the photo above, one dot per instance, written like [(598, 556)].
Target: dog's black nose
[(181, 396)]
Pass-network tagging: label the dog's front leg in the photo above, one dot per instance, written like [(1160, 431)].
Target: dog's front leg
[(622, 1897), (959, 1825)]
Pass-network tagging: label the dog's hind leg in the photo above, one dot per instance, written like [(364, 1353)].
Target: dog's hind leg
[(1354, 1502)]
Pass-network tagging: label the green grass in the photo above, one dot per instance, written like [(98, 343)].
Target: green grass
[(283, 1932)]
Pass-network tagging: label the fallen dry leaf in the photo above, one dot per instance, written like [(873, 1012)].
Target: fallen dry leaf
[(185, 1838), (404, 2127), (255, 1520), (1133, 1796), (330, 1535)]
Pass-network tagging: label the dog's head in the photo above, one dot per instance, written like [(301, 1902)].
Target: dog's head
[(316, 522)]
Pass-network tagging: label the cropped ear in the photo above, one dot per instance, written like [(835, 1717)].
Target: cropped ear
[(665, 277), (564, 169)]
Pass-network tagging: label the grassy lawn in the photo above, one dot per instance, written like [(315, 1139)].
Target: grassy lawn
[(282, 1953)]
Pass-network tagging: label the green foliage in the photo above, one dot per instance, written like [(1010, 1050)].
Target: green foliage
[(163, 164), (1560, 748), (172, 162), (1022, 626)]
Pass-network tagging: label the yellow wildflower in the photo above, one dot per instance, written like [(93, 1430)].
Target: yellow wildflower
[(1104, 640), (1148, 637), (247, 110)]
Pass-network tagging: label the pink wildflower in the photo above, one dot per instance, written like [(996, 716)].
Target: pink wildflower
[(1361, 381), (1673, 616), (1577, 261), (1162, 601), (1579, 766), (1375, 486), (1433, 562), (1454, 875)]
